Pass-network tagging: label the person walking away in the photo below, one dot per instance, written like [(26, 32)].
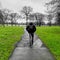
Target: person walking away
[(31, 29)]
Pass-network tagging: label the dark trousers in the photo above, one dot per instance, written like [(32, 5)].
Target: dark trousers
[(31, 36)]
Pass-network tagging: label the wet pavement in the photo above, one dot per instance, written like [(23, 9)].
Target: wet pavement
[(37, 52)]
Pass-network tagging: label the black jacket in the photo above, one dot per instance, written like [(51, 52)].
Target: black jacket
[(31, 28)]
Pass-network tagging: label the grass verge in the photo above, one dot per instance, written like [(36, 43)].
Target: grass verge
[(51, 38), (8, 38)]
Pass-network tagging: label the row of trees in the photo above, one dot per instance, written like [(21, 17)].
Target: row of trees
[(7, 15), (28, 12)]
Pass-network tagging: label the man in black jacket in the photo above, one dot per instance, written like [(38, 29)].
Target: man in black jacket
[(31, 29)]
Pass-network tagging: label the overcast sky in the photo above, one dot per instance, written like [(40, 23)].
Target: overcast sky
[(37, 5)]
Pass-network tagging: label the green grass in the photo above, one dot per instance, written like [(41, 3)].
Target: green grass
[(51, 38), (9, 36)]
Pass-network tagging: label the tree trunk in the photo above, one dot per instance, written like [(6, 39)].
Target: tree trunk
[(26, 20), (11, 22), (3, 23)]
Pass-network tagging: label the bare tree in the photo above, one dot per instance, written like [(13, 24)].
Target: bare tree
[(26, 10), (39, 18), (5, 14), (13, 16), (1, 18), (54, 10)]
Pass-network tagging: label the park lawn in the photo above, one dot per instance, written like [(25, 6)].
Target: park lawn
[(9, 36), (50, 36)]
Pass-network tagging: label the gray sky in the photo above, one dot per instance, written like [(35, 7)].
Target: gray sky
[(37, 5)]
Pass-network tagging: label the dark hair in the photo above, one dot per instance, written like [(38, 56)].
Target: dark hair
[(30, 23)]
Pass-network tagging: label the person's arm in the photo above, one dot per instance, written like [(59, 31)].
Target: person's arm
[(27, 28), (34, 28)]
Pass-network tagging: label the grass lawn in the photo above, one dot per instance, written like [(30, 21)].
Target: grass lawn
[(51, 38), (9, 36)]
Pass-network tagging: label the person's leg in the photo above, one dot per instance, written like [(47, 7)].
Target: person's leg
[(32, 37)]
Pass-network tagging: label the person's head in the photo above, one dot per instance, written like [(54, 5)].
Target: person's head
[(30, 23)]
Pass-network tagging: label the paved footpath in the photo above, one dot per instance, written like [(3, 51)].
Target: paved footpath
[(24, 52)]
